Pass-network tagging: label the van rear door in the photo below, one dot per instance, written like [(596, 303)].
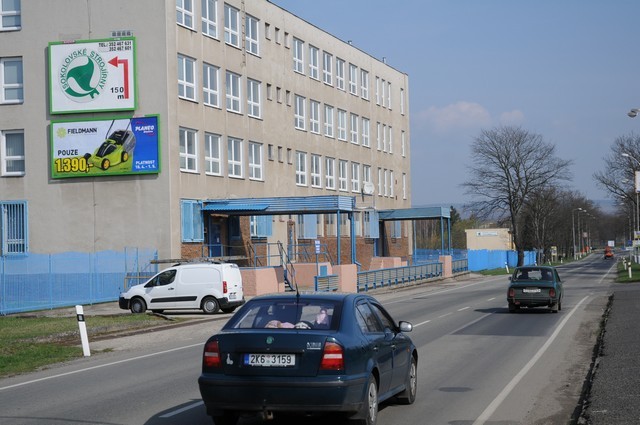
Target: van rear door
[(233, 279)]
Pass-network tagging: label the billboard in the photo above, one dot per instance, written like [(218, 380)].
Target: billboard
[(92, 76), (109, 147)]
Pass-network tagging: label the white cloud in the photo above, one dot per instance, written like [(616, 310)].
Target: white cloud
[(459, 115), (514, 117)]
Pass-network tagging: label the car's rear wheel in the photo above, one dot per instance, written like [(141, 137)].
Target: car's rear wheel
[(210, 305), (228, 418), (369, 412), (138, 305), (408, 396)]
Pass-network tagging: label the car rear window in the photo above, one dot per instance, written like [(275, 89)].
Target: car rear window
[(289, 314), (533, 274)]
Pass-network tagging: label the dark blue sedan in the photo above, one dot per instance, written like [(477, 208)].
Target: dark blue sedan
[(310, 353)]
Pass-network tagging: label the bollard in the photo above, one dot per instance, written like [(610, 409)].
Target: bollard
[(506, 266), (83, 331), (629, 271)]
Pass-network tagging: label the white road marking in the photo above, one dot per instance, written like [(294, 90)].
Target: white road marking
[(493, 406), (463, 308), (184, 409)]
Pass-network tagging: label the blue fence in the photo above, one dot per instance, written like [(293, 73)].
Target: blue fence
[(41, 282), (484, 259)]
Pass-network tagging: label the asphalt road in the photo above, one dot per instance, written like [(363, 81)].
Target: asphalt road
[(478, 363)]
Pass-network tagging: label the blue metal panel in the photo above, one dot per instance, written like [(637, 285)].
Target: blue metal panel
[(283, 205), (415, 213)]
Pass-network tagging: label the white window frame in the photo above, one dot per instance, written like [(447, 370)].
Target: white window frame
[(390, 139), (342, 125), (188, 149), (354, 128), (340, 74), (383, 93), (314, 65), (377, 90), (366, 174), (210, 18), (353, 79), (343, 175), (364, 84), (12, 164), (328, 121), (233, 92), (252, 35), (210, 85), (355, 177), (11, 14), (212, 154), (231, 25), (330, 173), (255, 161), (301, 168), (389, 95), (404, 185), (234, 157), (391, 185), (298, 55), (327, 68), (316, 171), (366, 132), (379, 135), (187, 78), (17, 86), (299, 114), (403, 146), (254, 98), (184, 13), (402, 100), (314, 116)]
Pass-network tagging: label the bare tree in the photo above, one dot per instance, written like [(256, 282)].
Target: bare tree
[(620, 166), (510, 164)]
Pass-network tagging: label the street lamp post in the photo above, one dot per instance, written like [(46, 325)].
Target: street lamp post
[(573, 230)]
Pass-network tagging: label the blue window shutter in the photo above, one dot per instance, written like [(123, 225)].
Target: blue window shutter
[(372, 229), (310, 226)]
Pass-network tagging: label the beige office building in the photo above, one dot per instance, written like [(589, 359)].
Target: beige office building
[(122, 122)]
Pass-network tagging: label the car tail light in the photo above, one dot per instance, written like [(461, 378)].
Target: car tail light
[(552, 293), (211, 356), (512, 292), (332, 356), (224, 287)]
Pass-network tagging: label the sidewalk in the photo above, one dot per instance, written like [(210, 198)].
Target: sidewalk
[(615, 391)]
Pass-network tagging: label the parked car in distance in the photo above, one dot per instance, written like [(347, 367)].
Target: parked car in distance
[(206, 286), (608, 252), (311, 354), (535, 286)]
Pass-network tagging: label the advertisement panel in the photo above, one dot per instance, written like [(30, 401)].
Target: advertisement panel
[(94, 148), (92, 76)]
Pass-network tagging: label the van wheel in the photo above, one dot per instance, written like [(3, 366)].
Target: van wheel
[(137, 306), (210, 305)]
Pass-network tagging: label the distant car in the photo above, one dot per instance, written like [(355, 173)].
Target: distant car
[(311, 354), (535, 286), (608, 253)]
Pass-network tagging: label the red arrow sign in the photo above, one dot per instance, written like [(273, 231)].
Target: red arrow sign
[(125, 63)]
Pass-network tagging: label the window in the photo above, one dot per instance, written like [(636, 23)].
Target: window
[(267, 31), (366, 124), (404, 185), (357, 223), (354, 128), (210, 92), (233, 92), (396, 229), (184, 13), (307, 226), (340, 73), (345, 229), (379, 135), (186, 78), (327, 68), (316, 170), (314, 116), (355, 177), (380, 181), (364, 84), (366, 174), (342, 125), (342, 175), (231, 25), (330, 224), (253, 98), (389, 95), (11, 84), (377, 90), (328, 120), (212, 154), (10, 15), (13, 228), (188, 150), (353, 79), (255, 161), (210, 18), (370, 222), (12, 153), (403, 142), (234, 157), (301, 168), (261, 226), (313, 62), (402, 101), (330, 173), (392, 181), (383, 91), (390, 139), (252, 36), (299, 113), (298, 55), (192, 221)]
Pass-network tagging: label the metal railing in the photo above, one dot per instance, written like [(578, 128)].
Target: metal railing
[(375, 279)]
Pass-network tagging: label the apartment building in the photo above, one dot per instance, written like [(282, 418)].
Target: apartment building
[(128, 124)]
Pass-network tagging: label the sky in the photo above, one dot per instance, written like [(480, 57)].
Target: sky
[(567, 70)]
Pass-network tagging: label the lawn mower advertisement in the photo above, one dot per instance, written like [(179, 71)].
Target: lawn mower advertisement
[(105, 148)]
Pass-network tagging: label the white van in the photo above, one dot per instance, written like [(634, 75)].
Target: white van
[(206, 286)]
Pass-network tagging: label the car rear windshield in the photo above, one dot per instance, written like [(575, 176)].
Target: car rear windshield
[(533, 274), (286, 314)]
